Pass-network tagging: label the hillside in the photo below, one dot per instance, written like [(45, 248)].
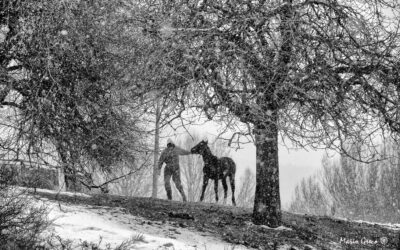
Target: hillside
[(216, 223)]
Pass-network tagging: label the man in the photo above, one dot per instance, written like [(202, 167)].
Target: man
[(170, 156)]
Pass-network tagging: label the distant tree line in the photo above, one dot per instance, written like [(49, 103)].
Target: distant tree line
[(352, 189)]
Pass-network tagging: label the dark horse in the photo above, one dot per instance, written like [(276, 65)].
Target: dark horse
[(216, 168)]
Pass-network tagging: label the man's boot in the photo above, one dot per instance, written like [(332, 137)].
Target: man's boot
[(184, 197), (169, 194)]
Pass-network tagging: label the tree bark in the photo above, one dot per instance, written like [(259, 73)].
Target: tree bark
[(61, 179), (267, 203), (68, 161), (156, 150)]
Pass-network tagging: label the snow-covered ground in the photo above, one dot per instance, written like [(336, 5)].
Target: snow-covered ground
[(71, 194), (113, 226), (392, 226)]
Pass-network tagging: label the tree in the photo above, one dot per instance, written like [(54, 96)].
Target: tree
[(310, 198), (315, 72), (62, 70), (245, 196), (137, 184), (163, 107), (165, 113), (352, 189), (192, 168), (22, 220)]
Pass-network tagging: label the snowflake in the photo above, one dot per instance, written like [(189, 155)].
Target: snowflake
[(2, 37)]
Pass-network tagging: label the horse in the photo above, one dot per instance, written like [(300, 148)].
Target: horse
[(216, 168)]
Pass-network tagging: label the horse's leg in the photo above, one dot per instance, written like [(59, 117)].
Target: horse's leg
[(205, 183), (225, 188), (232, 180), (216, 189)]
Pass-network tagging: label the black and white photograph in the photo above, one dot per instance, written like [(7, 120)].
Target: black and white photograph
[(199, 124)]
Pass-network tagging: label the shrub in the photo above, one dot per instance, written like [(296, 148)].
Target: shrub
[(21, 219)]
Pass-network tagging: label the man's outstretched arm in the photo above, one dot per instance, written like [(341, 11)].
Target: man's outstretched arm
[(181, 151)]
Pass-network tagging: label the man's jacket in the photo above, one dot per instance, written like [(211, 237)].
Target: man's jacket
[(171, 157)]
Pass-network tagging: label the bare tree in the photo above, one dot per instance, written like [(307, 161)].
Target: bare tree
[(22, 220), (316, 73), (247, 189), (192, 168), (352, 189), (137, 184), (310, 198), (165, 112), (163, 107)]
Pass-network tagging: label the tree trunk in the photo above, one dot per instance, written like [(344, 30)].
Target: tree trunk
[(156, 150), (61, 179), (68, 169), (267, 203)]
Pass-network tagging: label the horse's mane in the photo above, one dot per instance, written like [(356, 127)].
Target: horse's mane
[(209, 154)]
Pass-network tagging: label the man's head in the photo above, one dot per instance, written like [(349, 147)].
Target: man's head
[(170, 143)]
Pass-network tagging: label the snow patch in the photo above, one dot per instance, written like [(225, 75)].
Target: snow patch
[(386, 225), (71, 194), (289, 247), (276, 228), (310, 247), (251, 224), (114, 226)]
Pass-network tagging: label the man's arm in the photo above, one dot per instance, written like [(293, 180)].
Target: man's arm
[(180, 151)]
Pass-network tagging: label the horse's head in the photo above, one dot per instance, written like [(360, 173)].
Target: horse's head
[(200, 147)]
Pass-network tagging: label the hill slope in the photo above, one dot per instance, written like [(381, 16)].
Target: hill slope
[(233, 225)]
